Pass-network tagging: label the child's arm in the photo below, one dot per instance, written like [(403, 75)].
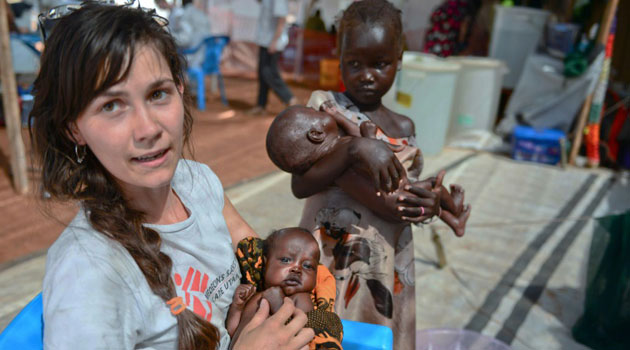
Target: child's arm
[(368, 156), (346, 125), (248, 312), (242, 294)]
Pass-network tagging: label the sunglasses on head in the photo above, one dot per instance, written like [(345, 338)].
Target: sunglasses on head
[(48, 19)]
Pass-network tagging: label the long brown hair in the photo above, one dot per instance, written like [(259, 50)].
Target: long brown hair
[(88, 51)]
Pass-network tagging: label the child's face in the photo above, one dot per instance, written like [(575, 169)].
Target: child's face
[(292, 263), (369, 60)]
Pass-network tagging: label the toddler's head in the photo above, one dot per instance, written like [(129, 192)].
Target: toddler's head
[(299, 136), (370, 50), (291, 259)]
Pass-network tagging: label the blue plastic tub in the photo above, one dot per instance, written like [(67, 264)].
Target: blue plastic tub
[(537, 145)]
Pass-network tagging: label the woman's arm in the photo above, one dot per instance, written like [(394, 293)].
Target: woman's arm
[(368, 156), (238, 228)]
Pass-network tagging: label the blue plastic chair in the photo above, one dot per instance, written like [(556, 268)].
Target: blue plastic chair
[(26, 332), (213, 47)]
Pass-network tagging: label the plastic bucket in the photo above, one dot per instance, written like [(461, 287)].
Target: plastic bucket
[(423, 91), (477, 94), (456, 339)]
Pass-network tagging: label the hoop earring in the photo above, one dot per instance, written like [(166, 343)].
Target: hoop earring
[(80, 157)]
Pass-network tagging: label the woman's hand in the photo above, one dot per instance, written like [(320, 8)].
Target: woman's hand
[(377, 161), (271, 333)]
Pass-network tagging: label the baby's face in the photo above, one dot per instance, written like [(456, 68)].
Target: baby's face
[(292, 263)]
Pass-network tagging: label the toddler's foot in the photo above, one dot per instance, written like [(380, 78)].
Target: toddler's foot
[(456, 223), (462, 219), (457, 193)]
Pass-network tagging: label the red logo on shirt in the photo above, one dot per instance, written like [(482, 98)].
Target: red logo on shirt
[(195, 283)]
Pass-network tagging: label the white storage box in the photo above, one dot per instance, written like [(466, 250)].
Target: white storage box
[(516, 33), (477, 94), (424, 91)]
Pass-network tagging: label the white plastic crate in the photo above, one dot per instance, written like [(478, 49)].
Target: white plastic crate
[(516, 33)]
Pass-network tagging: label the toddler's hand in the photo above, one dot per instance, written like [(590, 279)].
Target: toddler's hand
[(303, 301), (378, 161), (275, 296), (243, 293)]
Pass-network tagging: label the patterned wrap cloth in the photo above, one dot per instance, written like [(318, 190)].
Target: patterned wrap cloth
[(323, 320)]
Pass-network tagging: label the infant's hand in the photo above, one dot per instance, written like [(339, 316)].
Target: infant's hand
[(303, 301), (432, 183), (275, 297), (243, 293), (378, 161)]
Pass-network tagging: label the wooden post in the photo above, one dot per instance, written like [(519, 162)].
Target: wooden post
[(602, 37), (579, 129), (11, 107), (439, 248)]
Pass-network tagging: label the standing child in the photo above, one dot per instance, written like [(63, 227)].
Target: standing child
[(370, 256)]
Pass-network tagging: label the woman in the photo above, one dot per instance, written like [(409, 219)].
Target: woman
[(148, 262)]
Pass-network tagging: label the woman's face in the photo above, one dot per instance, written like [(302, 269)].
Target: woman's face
[(135, 128)]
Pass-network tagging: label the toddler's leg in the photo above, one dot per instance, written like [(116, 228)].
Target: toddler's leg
[(457, 194)]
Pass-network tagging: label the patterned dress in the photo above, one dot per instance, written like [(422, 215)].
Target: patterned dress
[(370, 258)]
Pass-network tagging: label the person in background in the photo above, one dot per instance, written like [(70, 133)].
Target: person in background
[(315, 22), (451, 27), (10, 18), (189, 25), (271, 40)]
